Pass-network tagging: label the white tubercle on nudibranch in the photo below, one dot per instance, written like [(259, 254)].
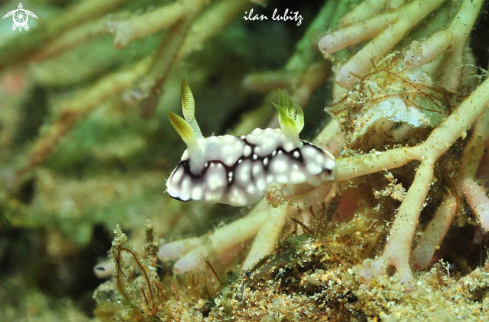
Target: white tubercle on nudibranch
[(237, 170)]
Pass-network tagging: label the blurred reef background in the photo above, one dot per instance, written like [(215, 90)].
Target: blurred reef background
[(86, 147)]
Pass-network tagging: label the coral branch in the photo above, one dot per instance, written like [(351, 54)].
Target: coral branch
[(224, 238), (398, 248), (78, 107), (151, 22), (148, 89), (473, 153), (270, 80), (397, 251), (209, 23), (434, 233), (180, 41), (75, 37), (266, 239), (479, 202), (177, 249), (407, 17), (367, 9), (455, 35), (462, 23), (306, 52), (440, 140), (428, 50), (353, 34), (331, 137)]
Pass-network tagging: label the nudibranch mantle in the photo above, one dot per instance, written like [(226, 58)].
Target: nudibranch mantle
[(237, 170)]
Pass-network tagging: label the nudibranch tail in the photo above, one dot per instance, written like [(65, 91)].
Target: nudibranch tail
[(290, 116)]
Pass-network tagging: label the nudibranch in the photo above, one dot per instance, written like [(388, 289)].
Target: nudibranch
[(237, 170)]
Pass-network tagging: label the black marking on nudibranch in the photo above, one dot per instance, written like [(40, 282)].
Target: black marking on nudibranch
[(264, 161)]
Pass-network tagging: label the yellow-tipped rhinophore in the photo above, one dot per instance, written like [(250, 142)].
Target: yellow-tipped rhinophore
[(183, 129), (290, 115), (188, 108), (187, 128)]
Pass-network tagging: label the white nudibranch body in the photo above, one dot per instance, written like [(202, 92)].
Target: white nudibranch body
[(237, 170)]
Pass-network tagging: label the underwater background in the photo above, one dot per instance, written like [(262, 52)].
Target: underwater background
[(394, 89)]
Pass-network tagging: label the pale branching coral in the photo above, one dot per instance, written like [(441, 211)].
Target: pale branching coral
[(456, 36), (398, 248), (155, 20), (434, 233), (395, 24), (192, 253), (76, 108), (390, 27), (474, 193)]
